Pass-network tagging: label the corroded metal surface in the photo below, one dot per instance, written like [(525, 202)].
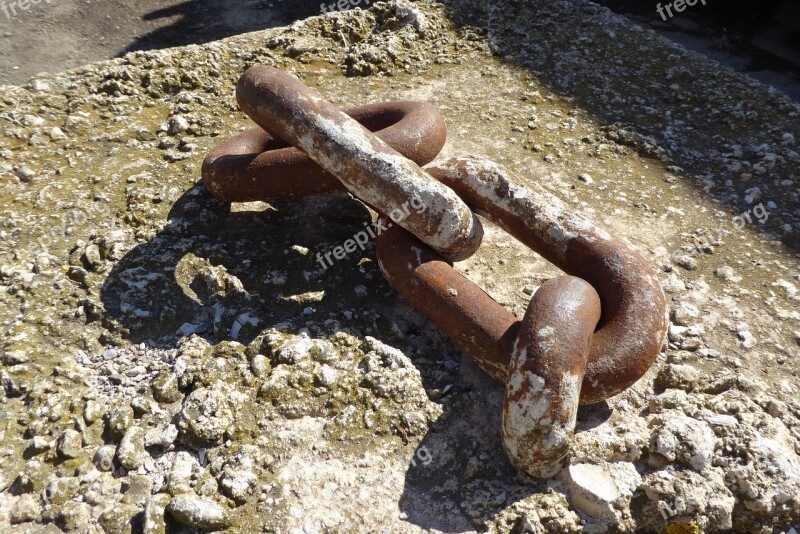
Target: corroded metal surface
[(634, 321), (368, 167), (554, 359), (568, 350), (254, 165), (546, 372)]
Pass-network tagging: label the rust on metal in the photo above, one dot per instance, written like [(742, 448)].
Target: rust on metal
[(254, 165), (634, 320), (556, 358), (368, 167), (545, 374), (586, 336)]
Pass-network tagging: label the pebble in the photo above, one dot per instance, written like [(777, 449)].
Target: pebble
[(178, 125), (685, 440), (57, 133), (179, 478), (727, 273), (70, 444), (161, 437), (25, 509), (26, 174), (93, 411), (684, 314), (154, 522), (529, 289), (599, 490), (197, 512), (39, 444), (687, 262), (120, 420), (130, 452), (165, 388)]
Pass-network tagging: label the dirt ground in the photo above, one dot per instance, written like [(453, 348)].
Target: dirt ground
[(55, 35), (176, 362)]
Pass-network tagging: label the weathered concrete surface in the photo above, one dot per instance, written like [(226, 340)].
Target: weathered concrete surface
[(146, 325)]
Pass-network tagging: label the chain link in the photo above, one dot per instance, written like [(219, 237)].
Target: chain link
[(586, 336)]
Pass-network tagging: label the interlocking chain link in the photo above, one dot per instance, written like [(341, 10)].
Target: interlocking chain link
[(586, 336)]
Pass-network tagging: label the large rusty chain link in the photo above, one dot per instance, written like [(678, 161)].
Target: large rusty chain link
[(585, 336)]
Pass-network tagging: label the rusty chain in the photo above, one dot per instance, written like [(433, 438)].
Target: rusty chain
[(585, 336)]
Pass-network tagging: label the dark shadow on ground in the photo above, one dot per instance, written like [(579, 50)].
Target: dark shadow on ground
[(202, 21), (177, 279)]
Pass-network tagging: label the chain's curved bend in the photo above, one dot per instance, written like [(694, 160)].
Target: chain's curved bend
[(254, 165), (540, 406), (370, 169)]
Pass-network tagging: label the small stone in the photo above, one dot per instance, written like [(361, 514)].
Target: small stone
[(154, 522), (776, 408), (93, 411), (179, 478), (686, 440), (130, 452), (721, 420), (295, 350), (73, 516), (161, 437), (678, 376), (238, 477), (57, 133), (198, 512), (40, 85), (118, 518), (327, 376), (103, 489), (683, 314), (529, 289), (676, 333), (14, 357), (600, 491), (207, 415), (746, 339), (120, 420), (141, 406), (69, 444), (260, 365), (685, 261), (26, 174), (585, 178), (178, 125), (25, 509), (165, 388), (727, 273), (38, 445)]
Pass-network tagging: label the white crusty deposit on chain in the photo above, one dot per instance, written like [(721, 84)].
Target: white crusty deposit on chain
[(546, 214), (368, 167)]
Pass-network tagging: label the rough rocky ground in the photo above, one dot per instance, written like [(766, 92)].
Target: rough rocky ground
[(173, 364), (53, 35)]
